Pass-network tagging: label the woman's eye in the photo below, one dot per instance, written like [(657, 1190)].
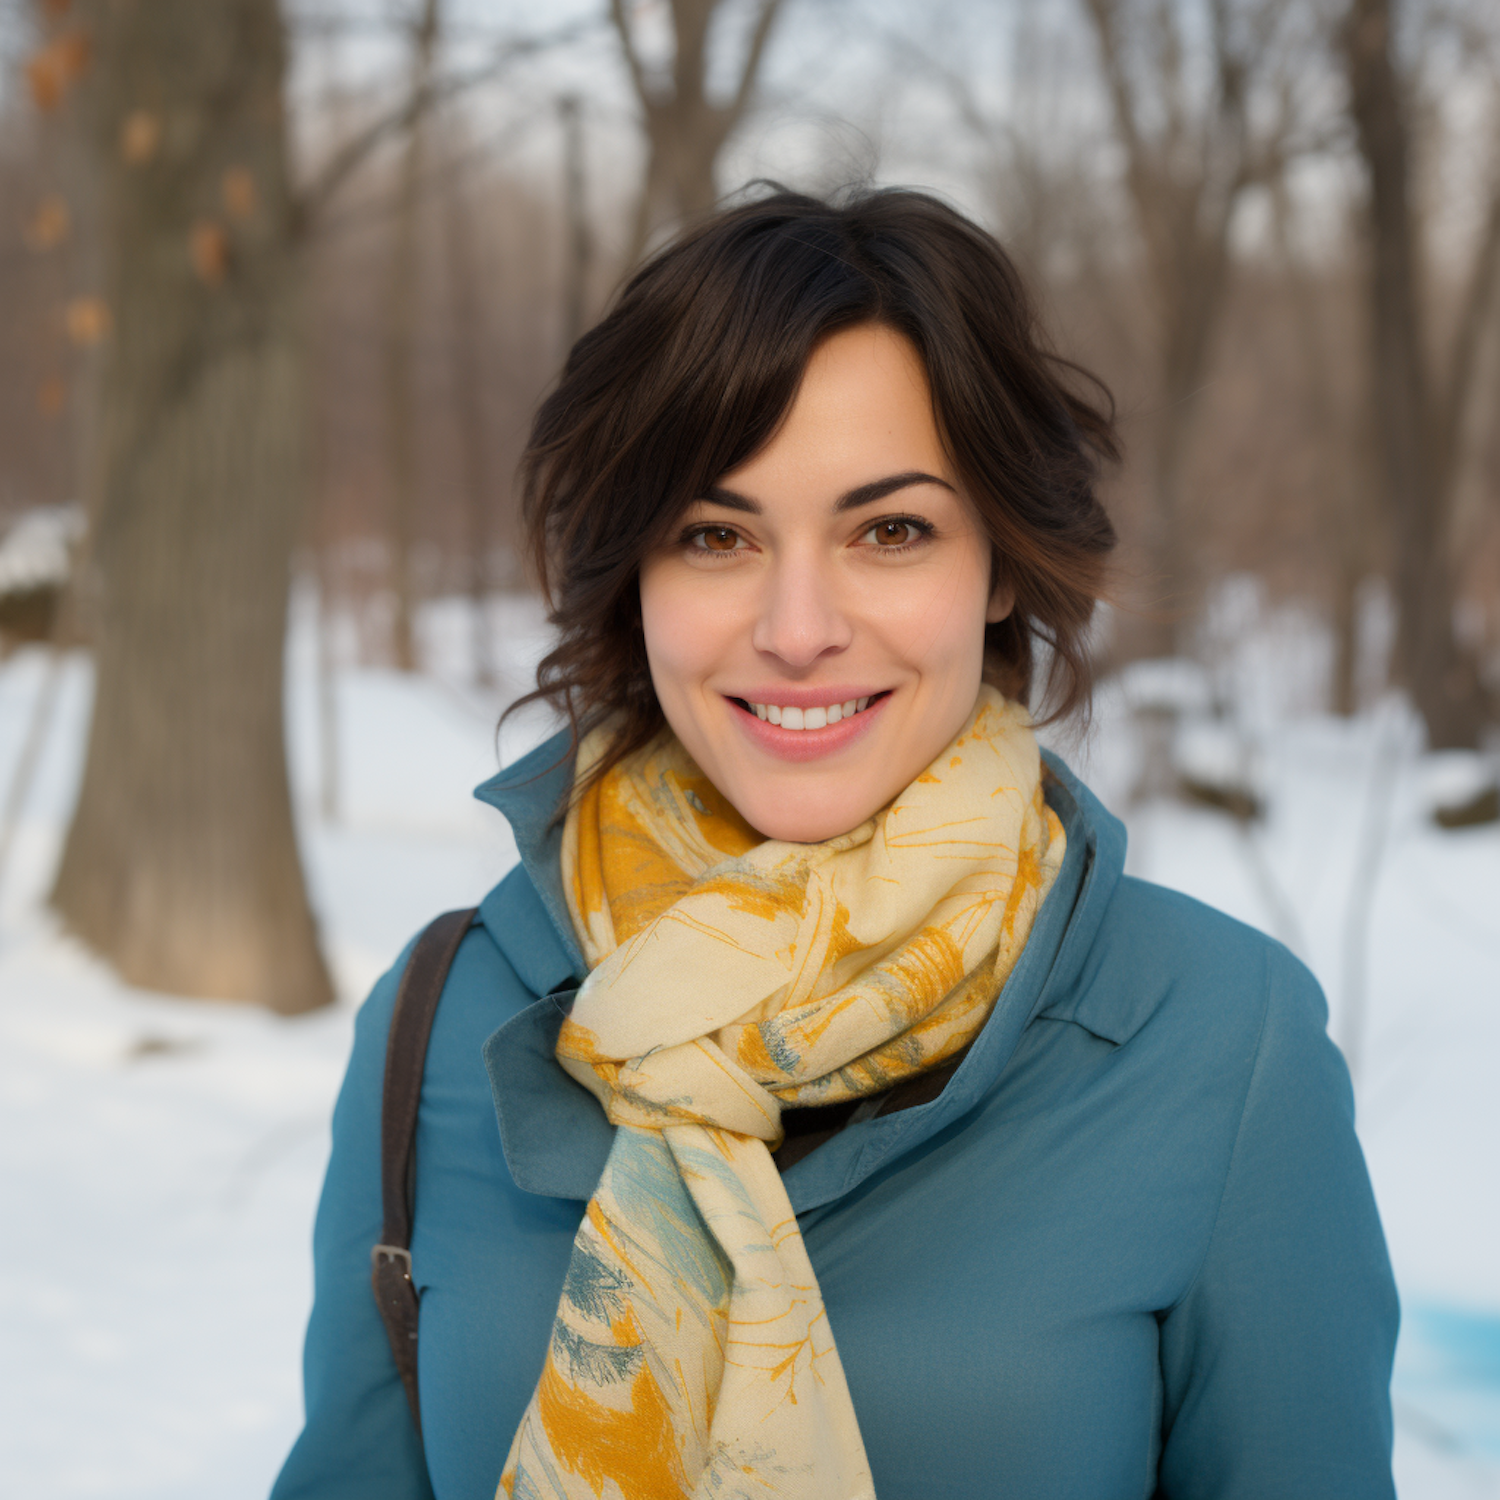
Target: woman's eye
[(716, 539), (893, 533)]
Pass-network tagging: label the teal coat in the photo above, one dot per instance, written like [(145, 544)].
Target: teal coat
[(1129, 1251)]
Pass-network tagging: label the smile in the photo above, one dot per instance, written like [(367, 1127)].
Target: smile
[(808, 731), (819, 717)]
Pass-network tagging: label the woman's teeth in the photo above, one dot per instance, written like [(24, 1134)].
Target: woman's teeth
[(809, 718)]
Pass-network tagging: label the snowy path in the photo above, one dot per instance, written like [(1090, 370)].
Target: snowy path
[(160, 1161)]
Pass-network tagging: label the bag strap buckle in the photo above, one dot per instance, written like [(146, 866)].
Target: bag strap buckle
[(381, 1255)]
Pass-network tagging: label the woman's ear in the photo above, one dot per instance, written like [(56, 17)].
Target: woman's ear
[(1002, 601)]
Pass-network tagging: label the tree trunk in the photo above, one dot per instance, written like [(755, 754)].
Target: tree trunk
[(1186, 168), (1194, 286), (181, 863), (1441, 676), (400, 350), (1347, 517), (329, 757), (579, 263), (1343, 686), (685, 129), (690, 131), (467, 314)]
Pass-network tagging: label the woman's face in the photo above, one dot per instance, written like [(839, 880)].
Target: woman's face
[(816, 628)]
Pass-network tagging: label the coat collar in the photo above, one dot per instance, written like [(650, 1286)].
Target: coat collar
[(552, 1130), (529, 795)]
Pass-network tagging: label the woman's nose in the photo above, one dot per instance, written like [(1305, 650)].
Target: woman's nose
[(801, 618)]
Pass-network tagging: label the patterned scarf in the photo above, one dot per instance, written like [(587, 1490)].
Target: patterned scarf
[(733, 977)]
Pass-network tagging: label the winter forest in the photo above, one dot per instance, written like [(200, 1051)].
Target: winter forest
[(281, 284)]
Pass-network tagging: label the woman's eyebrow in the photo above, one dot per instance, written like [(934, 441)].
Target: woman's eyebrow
[(878, 489), (864, 494)]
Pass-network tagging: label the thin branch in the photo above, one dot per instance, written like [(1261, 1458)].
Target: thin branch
[(347, 160), (1280, 909), (1104, 13), (1170, 62), (763, 23), (632, 57), (957, 89), (1374, 838), (480, 155), (1146, 182)]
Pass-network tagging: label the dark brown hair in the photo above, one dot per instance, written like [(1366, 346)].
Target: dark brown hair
[(698, 361)]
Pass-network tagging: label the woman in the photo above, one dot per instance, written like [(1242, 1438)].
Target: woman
[(817, 1110)]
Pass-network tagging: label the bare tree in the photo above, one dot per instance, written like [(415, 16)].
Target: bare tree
[(1192, 147), (1418, 415), (181, 862), (686, 130)]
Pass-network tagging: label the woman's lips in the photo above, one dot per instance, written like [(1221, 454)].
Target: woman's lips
[(805, 744)]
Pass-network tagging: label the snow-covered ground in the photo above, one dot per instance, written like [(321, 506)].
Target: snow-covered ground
[(160, 1160)]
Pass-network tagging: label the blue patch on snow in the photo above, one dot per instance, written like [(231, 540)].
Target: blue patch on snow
[(1447, 1378)]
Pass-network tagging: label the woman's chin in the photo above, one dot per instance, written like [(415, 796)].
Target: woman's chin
[(795, 821), (807, 833)]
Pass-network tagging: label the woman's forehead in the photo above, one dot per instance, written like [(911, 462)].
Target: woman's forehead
[(862, 414)]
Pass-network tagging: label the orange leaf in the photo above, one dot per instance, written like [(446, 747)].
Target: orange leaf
[(50, 224), (140, 135), (238, 188), (51, 396), (59, 63), (208, 247), (73, 51), (43, 78), (87, 320)]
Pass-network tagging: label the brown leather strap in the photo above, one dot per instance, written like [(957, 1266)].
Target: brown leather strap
[(405, 1057)]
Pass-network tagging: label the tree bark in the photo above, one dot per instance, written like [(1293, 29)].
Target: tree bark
[(1416, 476), (467, 319), (400, 352), (579, 262), (181, 864), (1349, 519)]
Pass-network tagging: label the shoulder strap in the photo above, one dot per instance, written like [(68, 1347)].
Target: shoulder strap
[(405, 1057)]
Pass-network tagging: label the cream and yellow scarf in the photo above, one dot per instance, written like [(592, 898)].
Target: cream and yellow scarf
[(733, 977)]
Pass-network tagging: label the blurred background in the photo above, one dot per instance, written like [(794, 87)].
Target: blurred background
[(281, 282)]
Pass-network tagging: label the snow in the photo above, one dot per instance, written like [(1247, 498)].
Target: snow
[(160, 1159), (1453, 777), (37, 548)]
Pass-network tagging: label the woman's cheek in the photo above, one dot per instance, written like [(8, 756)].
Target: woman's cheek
[(683, 629), (937, 625)]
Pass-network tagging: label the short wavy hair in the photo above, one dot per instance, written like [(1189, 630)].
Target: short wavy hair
[(697, 362)]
